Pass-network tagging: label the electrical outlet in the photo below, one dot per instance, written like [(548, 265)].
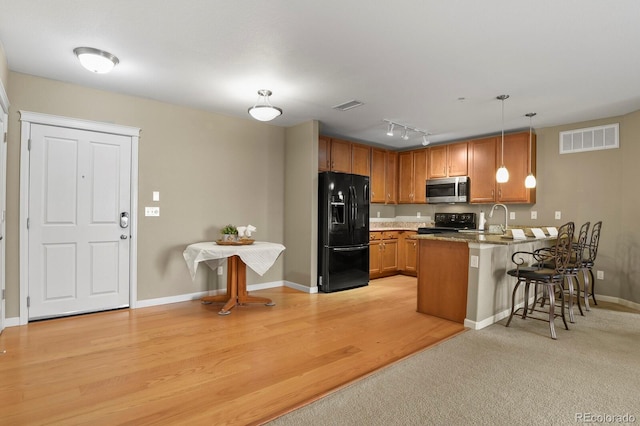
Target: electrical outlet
[(512, 215), (600, 275), (534, 214), (152, 211), (220, 270), (474, 261), (155, 196), (558, 215), (418, 214), (377, 214)]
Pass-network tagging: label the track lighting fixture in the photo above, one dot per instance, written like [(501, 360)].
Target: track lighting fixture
[(390, 129), (405, 131)]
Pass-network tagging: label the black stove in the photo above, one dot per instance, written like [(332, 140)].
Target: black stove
[(450, 222)]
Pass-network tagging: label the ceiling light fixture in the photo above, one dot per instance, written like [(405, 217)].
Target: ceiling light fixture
[(502, 175), (96, 60), (530, 180), (263, 110), (405, 131), (390, 129)]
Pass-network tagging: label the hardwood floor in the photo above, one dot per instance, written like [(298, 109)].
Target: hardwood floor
[(184, 364)]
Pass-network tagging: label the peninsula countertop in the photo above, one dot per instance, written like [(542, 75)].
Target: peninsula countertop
[(479, 238)]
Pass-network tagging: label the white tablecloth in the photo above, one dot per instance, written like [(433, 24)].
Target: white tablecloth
[(259, 256)]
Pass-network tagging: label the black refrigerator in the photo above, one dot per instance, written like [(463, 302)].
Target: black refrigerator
[(343, 231)]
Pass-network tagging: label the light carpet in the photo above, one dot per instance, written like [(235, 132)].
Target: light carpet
[(502, 376)]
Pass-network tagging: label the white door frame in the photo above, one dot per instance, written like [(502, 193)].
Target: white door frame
[(4, 113), (27, 118)]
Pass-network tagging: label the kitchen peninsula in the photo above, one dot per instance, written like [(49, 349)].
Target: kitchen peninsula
[(463, 277)]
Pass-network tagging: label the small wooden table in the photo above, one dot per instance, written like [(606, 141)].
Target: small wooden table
[(259, 256)]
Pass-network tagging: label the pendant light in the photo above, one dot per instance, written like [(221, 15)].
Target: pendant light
[(530, 181), (263, 110), (502, 175)]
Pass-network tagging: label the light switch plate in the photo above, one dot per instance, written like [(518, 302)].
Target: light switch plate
[(600, 275), (558, 215), (534, 214), (474, 261), (152, 211), (156, 196), (220, 270), (512, 215)]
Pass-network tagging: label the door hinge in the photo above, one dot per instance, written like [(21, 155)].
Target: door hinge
[(28, 301), (29, 145), (5, 138), (28, 222), (2, 294)]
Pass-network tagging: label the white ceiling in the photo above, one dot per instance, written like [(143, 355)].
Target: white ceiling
[(409, 61)]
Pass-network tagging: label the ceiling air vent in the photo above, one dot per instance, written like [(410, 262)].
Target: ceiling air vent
[(348, 105), (590, 139)]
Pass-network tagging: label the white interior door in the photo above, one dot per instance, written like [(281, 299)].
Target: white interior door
[(79, 188)]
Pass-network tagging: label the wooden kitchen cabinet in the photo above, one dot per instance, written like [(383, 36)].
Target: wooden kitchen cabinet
[(334, 155), (383, 176), (482, 170), (383, 253), (448, 160), (412, 176), (485, 156), (516, 160), (360, 159), (407, 253)]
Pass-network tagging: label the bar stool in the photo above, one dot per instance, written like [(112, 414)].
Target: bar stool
[(550, 279), (588, 263)]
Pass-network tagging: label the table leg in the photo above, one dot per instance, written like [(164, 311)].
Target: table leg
[(236, 288)]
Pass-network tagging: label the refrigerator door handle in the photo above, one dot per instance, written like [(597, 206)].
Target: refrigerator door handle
[(350, 248)]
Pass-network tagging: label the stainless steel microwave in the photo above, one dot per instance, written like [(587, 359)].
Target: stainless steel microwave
[(448, 190)]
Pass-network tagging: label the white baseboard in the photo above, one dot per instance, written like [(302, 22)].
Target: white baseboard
[(300, 287), (619, 301), (12, 322)]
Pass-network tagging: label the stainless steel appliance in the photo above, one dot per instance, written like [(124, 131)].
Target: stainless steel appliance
[(343, 231), (448, 190), (450, 222)]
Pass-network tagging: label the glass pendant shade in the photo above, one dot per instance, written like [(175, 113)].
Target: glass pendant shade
[(263, 110), (530, 181), (96, 60), (502, 175)]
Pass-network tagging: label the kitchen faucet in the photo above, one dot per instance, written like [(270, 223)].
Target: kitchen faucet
[(506, 214)]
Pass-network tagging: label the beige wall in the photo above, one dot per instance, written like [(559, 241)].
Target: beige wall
[(587, 186), (210, 170), (4, 68), (301, 228)]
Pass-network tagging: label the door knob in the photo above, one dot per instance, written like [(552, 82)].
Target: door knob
[(123, 237)]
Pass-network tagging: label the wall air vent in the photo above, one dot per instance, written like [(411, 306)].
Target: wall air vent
[(348, 105), (590, 139)]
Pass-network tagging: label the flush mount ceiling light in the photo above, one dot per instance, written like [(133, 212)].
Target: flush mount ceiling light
[(502, 174), (405, 131), (263, 110), (96, 60), (530, 180)]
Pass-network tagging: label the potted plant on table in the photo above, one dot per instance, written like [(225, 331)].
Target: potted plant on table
[(229, 233)]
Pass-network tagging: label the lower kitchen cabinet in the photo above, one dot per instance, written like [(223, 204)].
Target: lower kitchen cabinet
[(407, 253), (383, 253)]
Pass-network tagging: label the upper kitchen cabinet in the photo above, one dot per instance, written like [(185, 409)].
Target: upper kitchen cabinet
[(360, 159), (412, 176), (482, 170), (516, 159), (485, 156), (334, 155), (448, 160), (383, 176)]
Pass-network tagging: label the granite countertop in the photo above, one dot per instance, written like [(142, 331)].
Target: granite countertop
[(480, 238)]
